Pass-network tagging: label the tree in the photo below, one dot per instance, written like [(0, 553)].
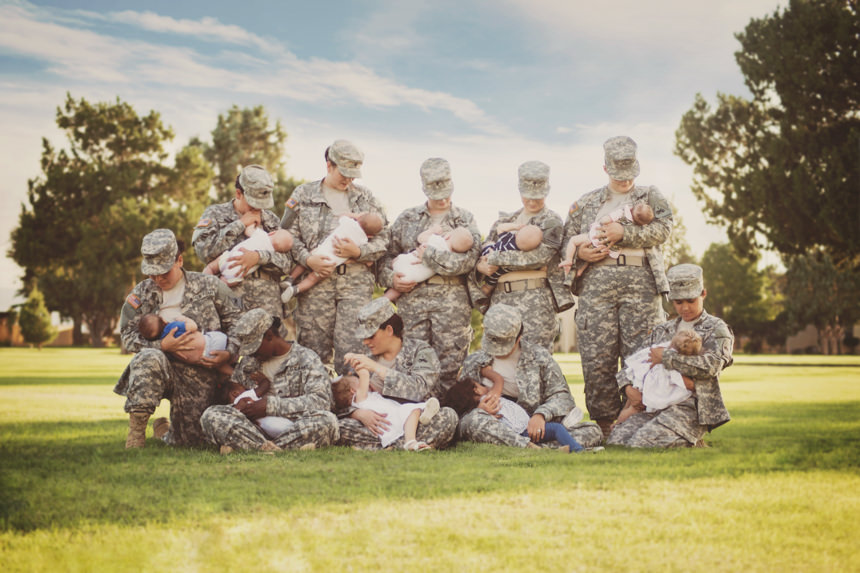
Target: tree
[(739, 293), (35, 320), (676, 249), (817, 292), (243, 137), (781, 170), (79, 237)]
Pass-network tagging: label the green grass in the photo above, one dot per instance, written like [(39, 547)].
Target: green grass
[(778, 489)]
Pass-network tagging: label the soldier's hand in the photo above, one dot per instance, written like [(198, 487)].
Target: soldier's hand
[(246, 261), (346, 248), (374, 422), (252, 409), (216, 360), (656, 356), (612, 233), (321, 265), (592, 254), (175, 344), (251, 218), (537, 428), (485, 268), (490, 403), (402, 285)]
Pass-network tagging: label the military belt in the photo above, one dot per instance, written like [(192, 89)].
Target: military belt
[(521, 285), (622, 261), (344, 268), (440, 280)]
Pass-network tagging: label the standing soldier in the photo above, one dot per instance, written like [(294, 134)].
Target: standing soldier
[(223, 226), (437, 310), (532, 281), (154, 372), (300, 391), (619, 298), (326, 314)]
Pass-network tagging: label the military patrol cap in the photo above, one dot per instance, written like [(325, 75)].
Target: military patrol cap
[(436, 178), (620, 158), (372, 315), (502, 325), (534, 180), (159, 250), (346, 157), (257, 185), (250, 328), (685, 281)]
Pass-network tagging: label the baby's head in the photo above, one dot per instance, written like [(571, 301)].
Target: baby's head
[(342, 390), (642, 213), (460, 239), (282, 240), (230, 391), (464, 395), (370, 223), (529, 238), (151, 326), (687, 342)]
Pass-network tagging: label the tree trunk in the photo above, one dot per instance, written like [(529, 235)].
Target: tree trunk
[(78, 338), (96, 326)]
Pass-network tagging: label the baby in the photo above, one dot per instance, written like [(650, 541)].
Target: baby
[(639, 214), (512, 237), (272, 426), (354, 390), (153, 327), (258, 240), (654, 387), (359, 228), (467, 393), (409, 265)]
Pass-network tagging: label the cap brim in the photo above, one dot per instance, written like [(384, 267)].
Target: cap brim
[(497, 347), (624, 174), (352, 173), (363, 332), (153, 269), (266, 203), (681, 294)]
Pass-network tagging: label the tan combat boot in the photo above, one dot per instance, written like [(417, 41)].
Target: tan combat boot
[(160, 427), (136, 430)]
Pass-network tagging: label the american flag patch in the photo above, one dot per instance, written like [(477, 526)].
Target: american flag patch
[(573, 209), (291, 203), (204, 222), (133, 300)]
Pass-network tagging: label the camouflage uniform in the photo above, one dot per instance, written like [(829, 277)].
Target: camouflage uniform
[(301, 392), (412, 378), (685, 423), (326, 313), (543, 390), (220, 229), (537, 304), (437, 311), (618, 304), (152, 375)]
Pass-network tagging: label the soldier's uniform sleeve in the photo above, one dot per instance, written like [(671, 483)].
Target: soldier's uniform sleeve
[(229, 310), (534, 259), (377, 245), (473, 364), (317, 391), (449, 263), (654, 233), (129, 319), (557, 399), (416, 384), (395, 247), (716, 355), (572, 227), (210, 239), (293, 217)]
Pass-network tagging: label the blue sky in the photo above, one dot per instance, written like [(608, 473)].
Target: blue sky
[(485, 84)]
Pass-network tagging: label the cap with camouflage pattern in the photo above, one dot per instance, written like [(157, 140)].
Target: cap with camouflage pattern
[(620, 158), (685, 281), (250, 328), (159, 250), (502, 325), (436, 178), (257, 185), (347, 158), (372, 315), (534, 180)]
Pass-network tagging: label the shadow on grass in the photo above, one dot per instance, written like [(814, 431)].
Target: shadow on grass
[(67, 474)]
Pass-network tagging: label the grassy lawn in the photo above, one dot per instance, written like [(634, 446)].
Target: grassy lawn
[(778, 489)]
